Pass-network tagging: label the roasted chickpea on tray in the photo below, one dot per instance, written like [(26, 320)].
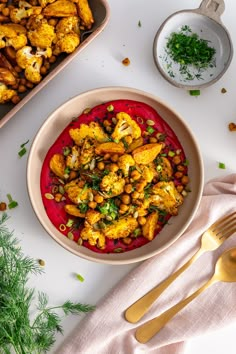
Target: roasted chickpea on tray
[(114, 177)]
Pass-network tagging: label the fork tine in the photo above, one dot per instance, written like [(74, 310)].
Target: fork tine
[(223, 236), (223, 221)]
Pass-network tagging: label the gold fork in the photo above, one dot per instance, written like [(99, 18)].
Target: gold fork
[(211, 239)]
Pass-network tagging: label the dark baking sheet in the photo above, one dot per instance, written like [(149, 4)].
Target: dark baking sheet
[(101, 15)]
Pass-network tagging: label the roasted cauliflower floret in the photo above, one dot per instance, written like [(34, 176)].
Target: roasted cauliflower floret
[(93, 130), (148, 172), (42, 36), (166, 197), (121, 228), (125, 126), (60, 8), (24, 10), (57, 165), (112, 185), (73, 159), (87, 151), (7, 77), (94, 237), (125, 162), (76, 193), (31, 63), (93, 216), (66, 43), (5, 93), (10, 37), (68, 25)]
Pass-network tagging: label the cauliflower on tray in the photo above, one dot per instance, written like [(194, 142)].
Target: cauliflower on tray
[(117, 199), (49, 28)]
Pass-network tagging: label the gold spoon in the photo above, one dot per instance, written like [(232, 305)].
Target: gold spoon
[(225, 271)]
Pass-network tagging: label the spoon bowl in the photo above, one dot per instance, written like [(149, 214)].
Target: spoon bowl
[(225, 269)]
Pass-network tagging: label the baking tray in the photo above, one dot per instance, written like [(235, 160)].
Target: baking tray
[(101, 14)]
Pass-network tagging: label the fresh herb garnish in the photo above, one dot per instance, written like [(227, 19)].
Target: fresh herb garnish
[(12, 203), (83, 207), (194, 92), (23, 149), (189, 50), (221, 165), (20, 332)]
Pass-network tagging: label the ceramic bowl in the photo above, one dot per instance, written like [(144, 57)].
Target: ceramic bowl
[(55, 124), (204, 21)]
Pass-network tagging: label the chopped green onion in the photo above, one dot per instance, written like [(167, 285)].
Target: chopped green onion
[(22, 152), (150, 130), (70, 222), (171, 153), (110, 108), (80, 278), (194, 92), (12, 203), (67, 170), (66, 151), (118, 250), (22, 145), (222, 165), (139, 23)]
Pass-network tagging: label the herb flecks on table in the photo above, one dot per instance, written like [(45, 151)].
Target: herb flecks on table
[(19, 331), (190, 51)]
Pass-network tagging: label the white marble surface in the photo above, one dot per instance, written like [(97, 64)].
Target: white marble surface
[(100, 65)]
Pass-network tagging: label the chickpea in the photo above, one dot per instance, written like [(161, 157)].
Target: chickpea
[(43, 70), (23, 81), (125, 198), (15, 99), (115, 157), (142, 220), (92, 205), (135, 175), (29, 84), (124, 207), (180, 188), (98, 198), (113, 167), (58, 197), (72, 175), (135, 195), (3, 206), (128, 188), (180, 168), (178, 174), (140, 186), (22, 88), (185, 180), (101, 165), (6, 11), (81, 184), (152, 140), (176, 159), (127, 240), (106, 123), (18, 69), (107, 156), (52, 59), (52, 22)]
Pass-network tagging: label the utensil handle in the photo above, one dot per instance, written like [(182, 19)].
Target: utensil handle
[(137, 310), (147, 331), (212, 9)]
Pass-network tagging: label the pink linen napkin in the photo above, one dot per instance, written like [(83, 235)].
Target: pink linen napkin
[(105, 331)]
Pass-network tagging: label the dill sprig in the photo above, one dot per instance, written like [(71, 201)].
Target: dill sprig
[(20, 331)]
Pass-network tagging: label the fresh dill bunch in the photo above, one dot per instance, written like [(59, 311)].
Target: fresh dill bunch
[(19, 331)]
